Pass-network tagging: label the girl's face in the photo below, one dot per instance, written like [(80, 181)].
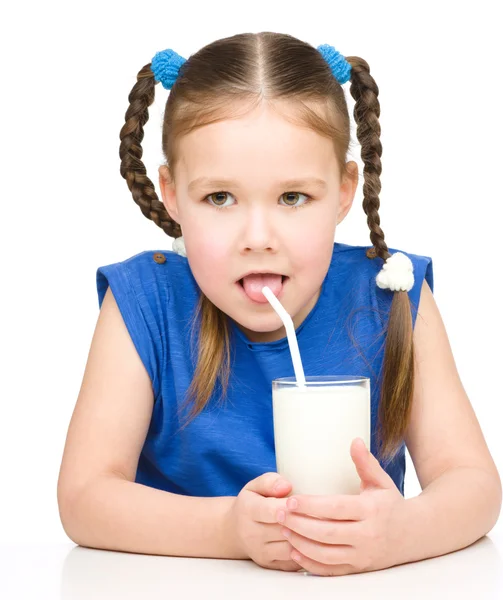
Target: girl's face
[(252, 218)]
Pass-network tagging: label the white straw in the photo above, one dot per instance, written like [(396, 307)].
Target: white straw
[(290, 332)]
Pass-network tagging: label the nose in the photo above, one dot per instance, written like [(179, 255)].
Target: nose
[(259, 230)]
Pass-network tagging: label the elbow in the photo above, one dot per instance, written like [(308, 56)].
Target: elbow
[(493, 492), (68, 516), (498, 495)]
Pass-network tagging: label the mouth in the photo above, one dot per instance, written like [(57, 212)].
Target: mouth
[(257, 297), (283, 278)]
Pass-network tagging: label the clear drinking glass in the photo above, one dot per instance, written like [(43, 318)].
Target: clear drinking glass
[(313, 431)]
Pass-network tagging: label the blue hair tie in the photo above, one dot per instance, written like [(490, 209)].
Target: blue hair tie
[(337, 63), (165, 66)]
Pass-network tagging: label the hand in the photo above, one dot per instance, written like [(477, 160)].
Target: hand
[(350, 533), (252, 521)]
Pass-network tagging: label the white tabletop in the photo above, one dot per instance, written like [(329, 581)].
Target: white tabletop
[(70, 572)]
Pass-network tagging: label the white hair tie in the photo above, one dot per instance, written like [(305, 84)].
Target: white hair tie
[(179, 246), (397, 273)]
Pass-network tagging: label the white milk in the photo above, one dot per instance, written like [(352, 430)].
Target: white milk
[(313, 431)]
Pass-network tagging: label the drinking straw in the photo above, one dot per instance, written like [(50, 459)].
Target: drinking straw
[(290, 332)]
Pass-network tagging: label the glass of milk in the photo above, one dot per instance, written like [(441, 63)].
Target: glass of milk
[(314, 427)]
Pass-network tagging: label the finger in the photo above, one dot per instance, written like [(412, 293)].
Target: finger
[(340, 507), (316, 568), (265, 484), (279, 550), (267, 508), (282, 551), (285, 565), (272, 532), (323, 530), (327, 554)]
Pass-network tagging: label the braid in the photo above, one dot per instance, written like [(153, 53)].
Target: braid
[(366, 113), (398, 378), (132, 168)]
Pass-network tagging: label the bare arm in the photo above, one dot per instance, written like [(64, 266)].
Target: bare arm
[(461, 497), (99, 502), (454, 511), (114, 513)]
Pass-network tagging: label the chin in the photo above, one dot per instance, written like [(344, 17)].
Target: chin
[(261, 325)]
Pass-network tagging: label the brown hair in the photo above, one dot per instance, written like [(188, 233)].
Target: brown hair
[(244, 70)]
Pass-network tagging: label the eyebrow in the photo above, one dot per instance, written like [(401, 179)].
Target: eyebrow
[(207, 182)]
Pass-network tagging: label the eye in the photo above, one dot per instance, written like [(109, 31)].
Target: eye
[(218, 199), (293, 198)]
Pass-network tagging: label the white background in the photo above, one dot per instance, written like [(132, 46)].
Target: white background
[(67, 70)]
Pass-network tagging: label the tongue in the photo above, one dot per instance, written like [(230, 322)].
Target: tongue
[(253, 285)]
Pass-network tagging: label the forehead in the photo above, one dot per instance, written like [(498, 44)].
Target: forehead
[(262, 141)]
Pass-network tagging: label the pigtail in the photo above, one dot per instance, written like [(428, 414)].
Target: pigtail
[(398, 366), (213, 361), (130, 151)]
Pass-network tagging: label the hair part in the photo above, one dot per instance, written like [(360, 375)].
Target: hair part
[(224, 80)]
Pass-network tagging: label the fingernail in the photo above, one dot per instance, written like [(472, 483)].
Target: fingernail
[(279, 484), (291, 503)]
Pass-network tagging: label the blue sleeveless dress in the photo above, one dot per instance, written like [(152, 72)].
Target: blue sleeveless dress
[(229, 444)]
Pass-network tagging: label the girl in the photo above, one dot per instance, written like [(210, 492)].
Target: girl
[(170, 449)]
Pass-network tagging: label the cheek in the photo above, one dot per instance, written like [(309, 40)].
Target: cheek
[(205, 237), (211, 248), (313, 272), (311, 255), (209, 264), (316, 227)]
